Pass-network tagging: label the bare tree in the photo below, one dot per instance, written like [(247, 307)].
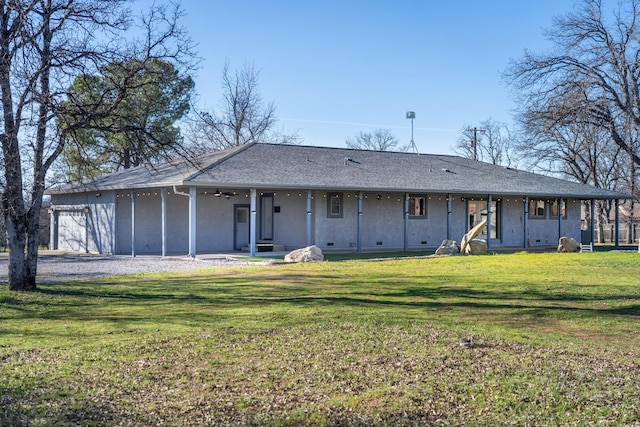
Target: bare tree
[(242, 117), (491, 142), (44, 45), (563, 140), (585, 95), (596, 54), (378, 140)]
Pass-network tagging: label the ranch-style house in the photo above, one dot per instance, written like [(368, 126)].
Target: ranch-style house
[(261, 197)]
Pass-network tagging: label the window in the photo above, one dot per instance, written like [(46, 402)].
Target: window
[(417, 206), (536, 208), (334, 205), (266, 216), (554, 209)]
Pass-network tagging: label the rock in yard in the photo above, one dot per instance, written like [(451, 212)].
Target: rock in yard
[(476, 247), (568, 244), (310, 253), (448, 247)]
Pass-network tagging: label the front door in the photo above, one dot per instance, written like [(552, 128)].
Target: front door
[(241, 226)]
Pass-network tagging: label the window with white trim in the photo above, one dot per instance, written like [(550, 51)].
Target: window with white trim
[(334, 205)]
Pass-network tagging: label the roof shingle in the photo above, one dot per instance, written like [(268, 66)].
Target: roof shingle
[(320, 168)]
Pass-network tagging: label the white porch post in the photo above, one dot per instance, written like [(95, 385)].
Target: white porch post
[(86, 229), (308, 217), (525, 222), (489, 207), (406, 222), (617, 239), (593, 221), (359, 231), (252, 224), (133, 223), (192, 222), (449, 210), (560, 218), (53, 229), (163, 200)]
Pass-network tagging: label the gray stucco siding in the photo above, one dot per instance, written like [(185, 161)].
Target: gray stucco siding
[(214, 223), (337, 233), (290, 224), (512, 222), (148, 222), (123, 224), (101, 222), (382, 222), (425, 232)]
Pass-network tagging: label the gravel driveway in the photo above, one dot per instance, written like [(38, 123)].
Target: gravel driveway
[(56, 267)]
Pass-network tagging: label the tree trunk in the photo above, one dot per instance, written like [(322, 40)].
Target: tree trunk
[(33, 241), (22, 235), (18, 271), (14, 216)]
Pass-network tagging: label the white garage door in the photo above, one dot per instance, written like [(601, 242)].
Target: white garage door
[(72, 231)]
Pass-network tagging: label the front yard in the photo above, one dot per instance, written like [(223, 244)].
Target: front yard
[(556, 341)]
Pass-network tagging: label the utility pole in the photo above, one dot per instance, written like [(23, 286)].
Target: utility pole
[(475, 141)]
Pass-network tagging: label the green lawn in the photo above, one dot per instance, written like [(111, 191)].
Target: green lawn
[(557, 342)]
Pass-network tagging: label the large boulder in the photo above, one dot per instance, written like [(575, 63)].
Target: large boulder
[(568, 244), (472, 234), (476, 247), (448, 247), (310, 253)]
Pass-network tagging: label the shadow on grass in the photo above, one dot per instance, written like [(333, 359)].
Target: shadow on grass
[(207, 298)]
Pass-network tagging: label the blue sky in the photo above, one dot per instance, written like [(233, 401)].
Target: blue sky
[(334, 68)]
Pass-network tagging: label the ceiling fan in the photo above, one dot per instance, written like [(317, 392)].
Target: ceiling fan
[(227, 194), (218, 193)]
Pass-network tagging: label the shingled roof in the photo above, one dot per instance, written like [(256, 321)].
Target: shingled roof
[(276, 166)]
